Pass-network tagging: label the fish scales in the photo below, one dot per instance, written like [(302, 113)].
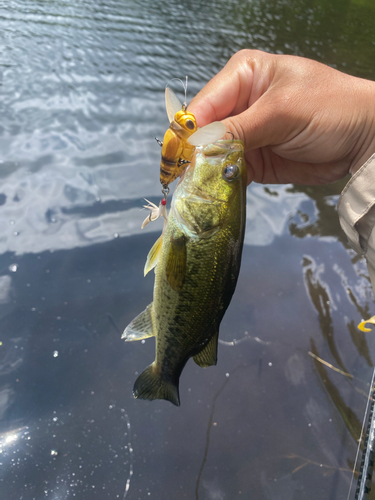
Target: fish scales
[(197, 268)]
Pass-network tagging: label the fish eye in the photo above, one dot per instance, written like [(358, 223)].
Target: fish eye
[(190, 124), (231, 171)]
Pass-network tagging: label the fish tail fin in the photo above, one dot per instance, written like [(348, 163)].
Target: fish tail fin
[(152, 385)]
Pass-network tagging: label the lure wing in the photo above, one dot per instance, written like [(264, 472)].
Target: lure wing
[(205, 135), (172, 103)]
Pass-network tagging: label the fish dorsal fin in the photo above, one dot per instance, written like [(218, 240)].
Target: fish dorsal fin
[(153, 255), (141, 327), (176, 262), (208, 355)]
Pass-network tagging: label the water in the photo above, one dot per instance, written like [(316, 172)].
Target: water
[(81, 101)]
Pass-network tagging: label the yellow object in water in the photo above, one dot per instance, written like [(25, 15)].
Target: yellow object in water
[(363, 323), (197, 262)]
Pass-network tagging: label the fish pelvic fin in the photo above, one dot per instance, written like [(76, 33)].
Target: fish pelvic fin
[(208, 355), (141, 327), (153, 255), (152, 385)]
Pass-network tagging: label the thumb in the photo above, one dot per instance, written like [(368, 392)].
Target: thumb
[(262, 124)]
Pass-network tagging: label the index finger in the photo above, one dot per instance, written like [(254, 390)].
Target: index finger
[(227, 94), (241, 82)]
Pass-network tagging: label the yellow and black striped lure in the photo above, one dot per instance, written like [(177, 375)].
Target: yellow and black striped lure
[(182, 137)]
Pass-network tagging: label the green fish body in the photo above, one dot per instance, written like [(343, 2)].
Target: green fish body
[(197, 262)]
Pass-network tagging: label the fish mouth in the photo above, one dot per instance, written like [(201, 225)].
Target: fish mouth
[(196, 193)]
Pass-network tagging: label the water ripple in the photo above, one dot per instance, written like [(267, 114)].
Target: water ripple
[(83, 95)]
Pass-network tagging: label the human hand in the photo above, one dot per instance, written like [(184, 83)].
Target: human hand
[(301, 121)]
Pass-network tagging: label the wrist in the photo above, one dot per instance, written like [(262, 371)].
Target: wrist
[(357, 164), (365, 146)]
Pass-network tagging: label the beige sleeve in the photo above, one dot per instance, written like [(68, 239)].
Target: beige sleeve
[(356, 208)]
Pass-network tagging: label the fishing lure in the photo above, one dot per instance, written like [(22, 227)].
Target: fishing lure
[(156, 211), (182, 137)]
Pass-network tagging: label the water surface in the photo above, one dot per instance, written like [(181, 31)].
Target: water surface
[(82, 88)]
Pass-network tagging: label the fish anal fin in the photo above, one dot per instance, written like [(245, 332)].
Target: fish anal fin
[(176, 262), (153, 255), (141, 327), (152, 385), (208, 355)]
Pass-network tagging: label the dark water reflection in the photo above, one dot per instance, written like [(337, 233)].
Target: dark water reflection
[(82, 99)]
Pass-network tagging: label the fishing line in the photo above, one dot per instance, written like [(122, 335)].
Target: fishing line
[(208, 439), (367, 463), (184, 86), (210, 425)]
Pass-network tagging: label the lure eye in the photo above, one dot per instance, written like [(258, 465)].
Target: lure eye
[(231, 171), (189, 124)]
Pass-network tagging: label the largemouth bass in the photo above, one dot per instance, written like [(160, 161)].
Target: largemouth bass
[(197, 262)]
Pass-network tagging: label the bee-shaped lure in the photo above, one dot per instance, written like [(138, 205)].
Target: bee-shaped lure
[(182, 137)]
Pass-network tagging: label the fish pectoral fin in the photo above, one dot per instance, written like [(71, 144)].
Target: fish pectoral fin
[(153, 255), (208, 355), (141, 327), (176, 262)]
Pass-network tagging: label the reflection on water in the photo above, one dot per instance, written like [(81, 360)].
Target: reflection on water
[(64, 451), (322, 302), (317, 216), (82, 89), (211, 423)]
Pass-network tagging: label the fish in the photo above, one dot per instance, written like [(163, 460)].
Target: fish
[(182, 137), (197, 261)]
